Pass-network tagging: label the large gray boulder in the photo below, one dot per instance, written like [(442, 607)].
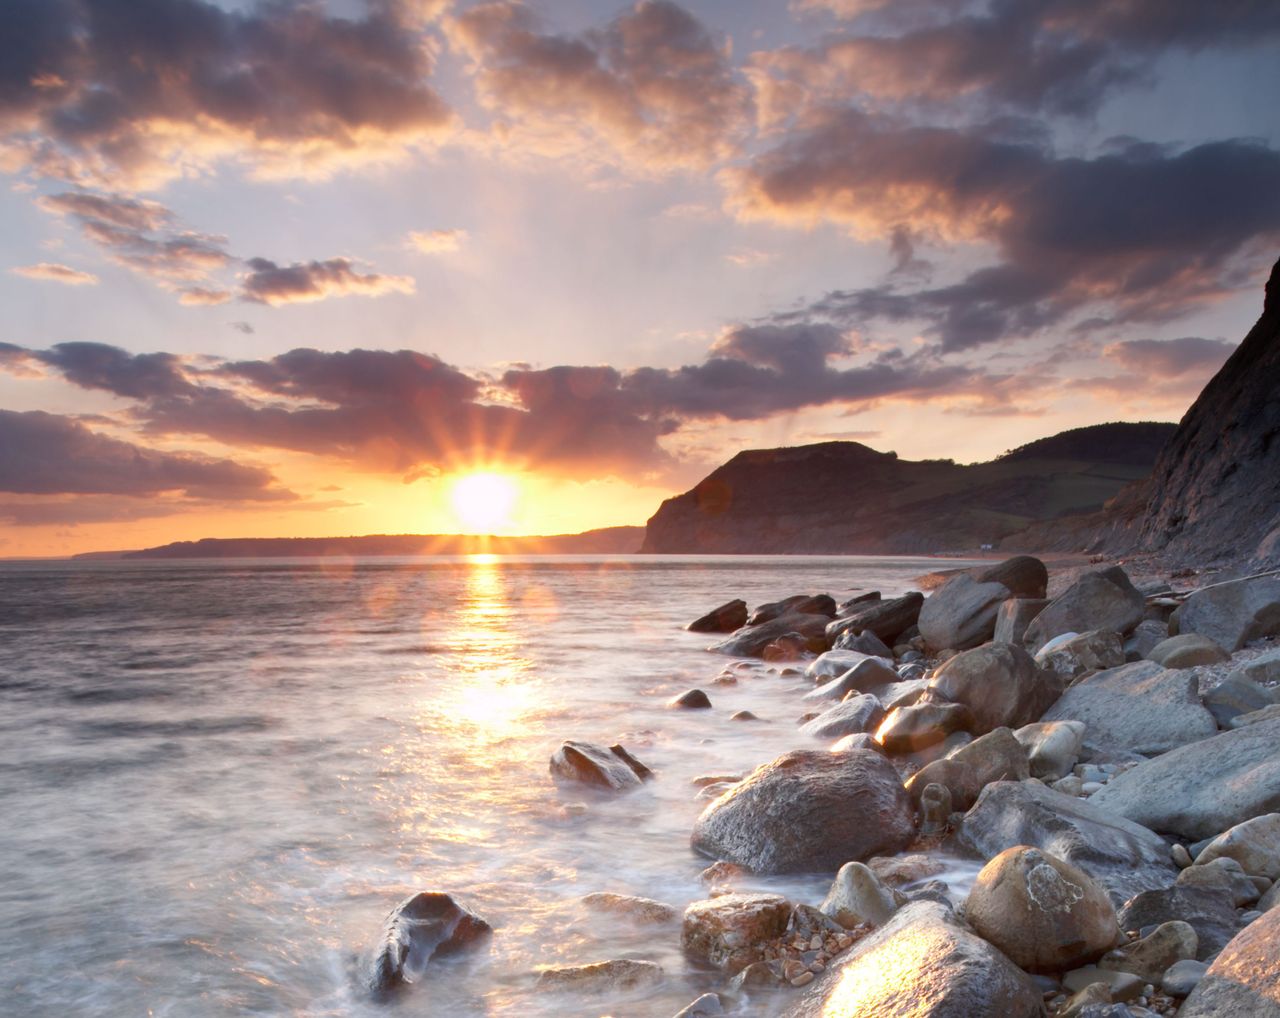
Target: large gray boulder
[(922, 962), (1254, 844), (1200, 790), (1122, 856), (999, 683), (1053, 747), (1245, 977), (808, 811), (1140, 707), (1231, 614), (887, 619), (804, 604), (1104, 599), (961, 613)]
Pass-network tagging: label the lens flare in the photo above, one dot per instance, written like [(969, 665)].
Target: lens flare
[(483, 502)]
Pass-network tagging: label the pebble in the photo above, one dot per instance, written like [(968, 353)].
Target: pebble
[(1089, 787), (1182, 976), (743, 715), (1070, 785), (803, 979)]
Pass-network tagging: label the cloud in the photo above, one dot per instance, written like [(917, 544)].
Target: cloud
[(269, 283), (141, 91), (56, 273), (652, 89), (1171, 357), (111, 369), (436, 241), (244, 327), (43, 453), (1139, 233)]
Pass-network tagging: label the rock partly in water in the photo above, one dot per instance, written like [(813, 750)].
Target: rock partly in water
[(999, 683), (584, 762), (725, 619), (1202, 789), (849, 717), (1053, 747), (1121, 856), (1082, 653), (693, 699), (867, 675), (1045, 914), (1150, 956), (1244, 979), (887, 619), (1140, 708), (922, 962), (1187, 651), (808, 811), (643, 910), (1104, 599), (1254, 844), (751, 641), (961, 613), (857, 897), (706, 1006), (427, 925), (732, 931), (1231, 614), (801, 604), (1208, 911), (834, 663), (620, 975)]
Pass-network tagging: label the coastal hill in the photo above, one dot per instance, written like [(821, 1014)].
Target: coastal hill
[(844, 497), (605, 541)]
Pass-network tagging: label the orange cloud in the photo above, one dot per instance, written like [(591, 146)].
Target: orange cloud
[(302, 282), (436, 241), (56, 273)]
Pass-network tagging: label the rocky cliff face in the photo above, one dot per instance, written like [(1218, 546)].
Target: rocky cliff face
[(1214, 493)]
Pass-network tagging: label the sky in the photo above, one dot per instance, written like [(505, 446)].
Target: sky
[(303, 268)]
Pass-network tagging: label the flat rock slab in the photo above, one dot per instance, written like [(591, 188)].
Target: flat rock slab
[(922, 962), (1140, 707), (1123, 857), (1202, 789), (1245, 977), (809, 811), (621, 975)]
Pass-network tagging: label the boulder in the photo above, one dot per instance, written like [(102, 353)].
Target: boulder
[(750, 641), (1084, 652), (1146, 635), (996, 756), (1015, 615), (1236, 695), (907, 729), (1208, 911), (732, 931), (1045, 914), (1231, 614), (857, 603), (725, 619), (1104, 599), (835, 663), (1149, 957), (808, 811), (922, 962), (961, 613), (999, 683), (620, 975), (868, 674), (1183, 976), (887, 619), (868, 643), (1254, 844), (1244, 979), (1187, 651), (1025, 576), (1121, 856), (1200, 790), (418, 929), (849, 717), (613, 767), (1223, 874), (801, 604), (857, 896), (693, 699), (1053, 747), (1140, 707), (1263, 668)]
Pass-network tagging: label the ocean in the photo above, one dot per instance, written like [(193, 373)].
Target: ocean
[(218, 777)]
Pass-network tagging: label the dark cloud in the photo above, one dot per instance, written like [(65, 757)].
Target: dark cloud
[(1141, 233), (42, 453), (1171, 357), (111, 369), (269, 283), (109, 89), (653, 85)]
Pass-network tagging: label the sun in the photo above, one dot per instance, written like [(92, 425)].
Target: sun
[(483, 502)]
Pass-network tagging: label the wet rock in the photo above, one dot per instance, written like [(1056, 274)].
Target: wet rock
[(1208, 911), (693, 699), (1231, 614), (907, 729), (1045, 914), (849, 717), (887, 619), (1104, 599), (801, 604), (899, 870), (1082, 653), (867, 675), (427, 925), (1183, 976), (619, 975), (1149, 957), (732, 931), (644, 910), (1024, 575), (1053, 747), (1244, 979), (857, 897), (743, 715), (1187, 651), (1141, 707), (1121, 856), (1015, 615), (725, 619), (751, 641), (1234, 696), (867, 643), (1254, 844), (999, 683), (791, 647), (1199, 790), (705, 1006), (809, 811), (589, 764), (922, 962), (834, 663), (961, 613)]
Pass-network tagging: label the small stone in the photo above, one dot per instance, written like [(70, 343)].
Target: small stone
[(803, 979), (743, 715), (693, 699), (793, 968), (1070, 785), (1089, 787), (815, 942), (1182, 976)]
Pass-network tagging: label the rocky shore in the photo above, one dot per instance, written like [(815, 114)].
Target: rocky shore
[(1106, 754)]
